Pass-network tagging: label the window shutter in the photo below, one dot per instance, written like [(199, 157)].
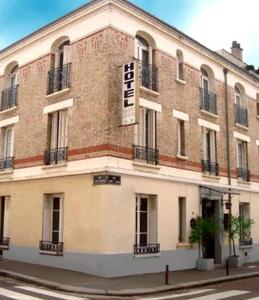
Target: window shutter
[(46, 219), (67, 56), (213, 146), (152, 221), (151, 128), (57, 55), (54, 131), (141, 128), (9, 142), (62, 137), (61, 214), (6, 216)]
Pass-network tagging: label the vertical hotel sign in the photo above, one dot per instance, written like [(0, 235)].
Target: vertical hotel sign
[(130, 95)]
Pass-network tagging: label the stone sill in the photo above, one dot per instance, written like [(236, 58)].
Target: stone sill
[(146, 255), (242, 126), (145, 165), (64, 164), (8, 110), (181, 157), (209, 176), (6, 172), (207, 113), (243, 182), (59, 93), (180, 81), (151, 92), (50, 253), (182, 245), (246, 247)]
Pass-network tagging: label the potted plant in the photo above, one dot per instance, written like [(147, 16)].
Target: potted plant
[(238, 228), (204, 228)]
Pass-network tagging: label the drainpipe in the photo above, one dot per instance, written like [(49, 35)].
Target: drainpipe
[(228, 149)]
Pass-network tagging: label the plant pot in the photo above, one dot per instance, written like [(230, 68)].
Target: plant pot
[(235, 261), (205, 264)]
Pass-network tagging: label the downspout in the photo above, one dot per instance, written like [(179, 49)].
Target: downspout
[(228, 151)]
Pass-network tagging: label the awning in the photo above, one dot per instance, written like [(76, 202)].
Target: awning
[(216, 193)]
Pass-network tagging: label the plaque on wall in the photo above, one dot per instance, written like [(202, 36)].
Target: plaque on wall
[(106, 179)]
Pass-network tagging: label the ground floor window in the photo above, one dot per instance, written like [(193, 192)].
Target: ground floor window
[(182, 219), (4, 222), (146, 224)]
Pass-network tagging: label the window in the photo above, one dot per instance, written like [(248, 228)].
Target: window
[(145, 137), (52, 239), (209, 163), (241, 110), (181, 138), (4, 223), (205, 80), (182, 219), (242, 161), (6, 162), (9, 94), (179, 65), (57, 138), (59, 75), (146, 225), (208, 101)]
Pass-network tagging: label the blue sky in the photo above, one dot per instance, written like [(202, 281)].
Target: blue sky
[(208, 21)]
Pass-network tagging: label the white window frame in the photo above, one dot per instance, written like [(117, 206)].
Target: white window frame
[(59, 124), (179, 64), (244, 163), (213, 145), (180, 138), (5, 146)]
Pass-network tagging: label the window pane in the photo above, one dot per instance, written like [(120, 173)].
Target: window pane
[(143, 204), (55, 222), (143, 239), (55, 237), (56, 203), (143, 222)]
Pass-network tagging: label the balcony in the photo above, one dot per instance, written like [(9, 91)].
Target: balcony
[(208, 101), (54, 156), (146, 249), (6, 163), (241, 115), (4, 243), (246, 241), (51, 247), (244, 174), (59, 79), (148, 76), (9, 98), (151, 156), (209, 167)]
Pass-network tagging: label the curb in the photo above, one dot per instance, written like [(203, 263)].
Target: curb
[(126, 292)]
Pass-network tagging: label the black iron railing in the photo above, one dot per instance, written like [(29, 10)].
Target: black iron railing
[(53, 156), (59, 79), (146, 249), (6, 163), (51, 246), (241, 115), (148, 76), (246, 241), (208, 101), (151, 156), (9, 98), (210, 167), (244, 174), (4, 242)]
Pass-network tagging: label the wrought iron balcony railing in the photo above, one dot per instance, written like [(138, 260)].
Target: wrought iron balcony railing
[(59, 79), (4, 242), (6, 163), (9, 98), (208, 101), (241, 115), (244, 174), (246, 241), (50, 246), (210, 167), (54, 156), (146, 249), (151, 156), (148, 76)]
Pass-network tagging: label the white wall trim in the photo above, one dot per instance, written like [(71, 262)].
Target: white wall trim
[(257, 143), (58, 106), (241, 137), (181, 115), (150, 104), (9, 121), (208, 125)]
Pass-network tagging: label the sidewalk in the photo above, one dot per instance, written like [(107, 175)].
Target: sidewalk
[(70, 281)]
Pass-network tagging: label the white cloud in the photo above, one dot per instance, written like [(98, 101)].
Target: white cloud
[(217, 23)]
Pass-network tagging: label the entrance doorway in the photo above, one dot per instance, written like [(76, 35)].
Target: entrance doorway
[(208, 211)]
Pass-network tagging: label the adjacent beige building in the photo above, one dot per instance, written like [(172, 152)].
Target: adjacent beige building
[(80, 190)]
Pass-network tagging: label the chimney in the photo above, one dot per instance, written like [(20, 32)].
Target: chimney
[(236, 50)]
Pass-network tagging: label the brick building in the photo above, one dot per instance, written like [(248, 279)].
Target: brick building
[(96, 196)]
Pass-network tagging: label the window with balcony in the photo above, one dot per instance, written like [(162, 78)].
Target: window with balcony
[(242, 161), (4, 223), (209, 162), (57, 138), (145, 148), (240, 106), (59, 75), (9, 94), (52, 233), (6, 161), (244, 213), (146, 225), (147, 71), (179, 65), (208, 99)]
